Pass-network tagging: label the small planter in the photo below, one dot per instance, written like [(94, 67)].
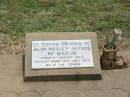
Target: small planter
[(109, 59)]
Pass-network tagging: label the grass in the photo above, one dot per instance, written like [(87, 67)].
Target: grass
[(20, 16)]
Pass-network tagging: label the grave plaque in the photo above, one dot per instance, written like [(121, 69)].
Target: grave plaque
[(61, 56)]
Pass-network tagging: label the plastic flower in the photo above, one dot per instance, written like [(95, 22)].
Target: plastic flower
[(115, 38), (118, 31), (119, 37)]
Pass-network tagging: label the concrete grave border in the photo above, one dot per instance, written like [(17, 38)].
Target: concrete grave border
[(61, 74)]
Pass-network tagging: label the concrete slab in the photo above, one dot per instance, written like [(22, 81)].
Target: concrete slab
[(64, 73), (115, 83)]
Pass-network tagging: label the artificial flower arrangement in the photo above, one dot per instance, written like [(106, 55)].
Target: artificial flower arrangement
[(112, 43), (109, 59)]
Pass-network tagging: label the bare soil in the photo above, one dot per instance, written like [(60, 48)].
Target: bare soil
[(17, 47), (11, 47)]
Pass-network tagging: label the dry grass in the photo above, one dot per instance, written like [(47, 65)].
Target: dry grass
[(20, 16)]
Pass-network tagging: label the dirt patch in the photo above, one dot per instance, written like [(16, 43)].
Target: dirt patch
[(17, 47), (11, 47)]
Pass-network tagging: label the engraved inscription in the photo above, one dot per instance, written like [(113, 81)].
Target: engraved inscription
[(61, 54)]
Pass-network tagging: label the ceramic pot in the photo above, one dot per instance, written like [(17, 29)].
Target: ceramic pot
[(107, 58)]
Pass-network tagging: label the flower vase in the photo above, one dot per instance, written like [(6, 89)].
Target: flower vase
[(108, 57)]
